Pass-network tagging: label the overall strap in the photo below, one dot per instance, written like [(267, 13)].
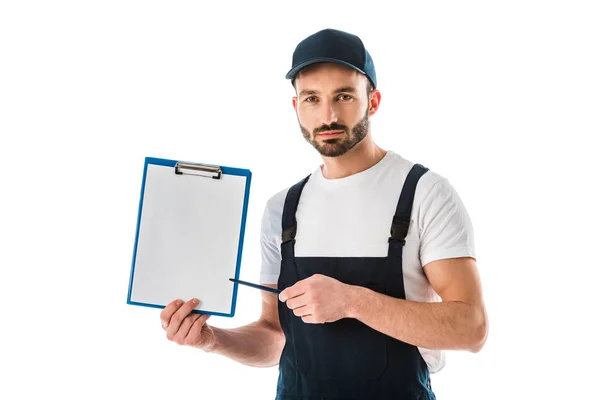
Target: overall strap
[(288, 219), (401, 219)]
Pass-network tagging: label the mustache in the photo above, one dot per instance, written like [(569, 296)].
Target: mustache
[(332, 127)]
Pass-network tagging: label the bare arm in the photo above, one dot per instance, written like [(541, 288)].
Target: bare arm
[(258, 344), (459, 322)]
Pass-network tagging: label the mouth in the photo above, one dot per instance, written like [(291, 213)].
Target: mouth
[(330, 134)]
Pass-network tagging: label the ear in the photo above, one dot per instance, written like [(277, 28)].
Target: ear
[(295, 103), (374, 101)]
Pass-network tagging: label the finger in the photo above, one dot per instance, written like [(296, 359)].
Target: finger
[(296, 302), (196, 330), (168, 311), (309, 319), (302, 311), (179, 315), (185, 326)]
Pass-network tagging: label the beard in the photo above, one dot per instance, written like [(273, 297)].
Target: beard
[(340, 145)]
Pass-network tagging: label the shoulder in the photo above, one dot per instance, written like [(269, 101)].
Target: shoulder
[(275, 203), (430, 180), (433, 190), (279, 196)]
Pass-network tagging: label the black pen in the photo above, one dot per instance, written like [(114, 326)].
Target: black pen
[(254, 285)]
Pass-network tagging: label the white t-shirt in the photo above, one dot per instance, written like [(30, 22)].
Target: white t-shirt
[(352, 216)]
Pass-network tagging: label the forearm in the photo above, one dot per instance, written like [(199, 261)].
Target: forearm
[(256, 344), (451, 325)]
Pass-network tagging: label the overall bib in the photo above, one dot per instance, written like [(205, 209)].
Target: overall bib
[(347, 359)]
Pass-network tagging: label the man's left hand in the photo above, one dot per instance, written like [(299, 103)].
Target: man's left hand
[(318, 299)]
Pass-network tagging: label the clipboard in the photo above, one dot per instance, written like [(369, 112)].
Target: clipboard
[(189, 235)]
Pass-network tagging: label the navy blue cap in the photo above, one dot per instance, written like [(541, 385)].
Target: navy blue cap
[(332, 45)]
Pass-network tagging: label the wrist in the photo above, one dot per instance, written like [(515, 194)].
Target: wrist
[(355, 295), (212, 346)]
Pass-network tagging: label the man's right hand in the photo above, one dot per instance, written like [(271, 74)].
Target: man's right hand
[(186, 328)]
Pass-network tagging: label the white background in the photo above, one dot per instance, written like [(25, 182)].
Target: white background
[(502, 98)]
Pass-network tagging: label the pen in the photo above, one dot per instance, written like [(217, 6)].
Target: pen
[(254, 285)]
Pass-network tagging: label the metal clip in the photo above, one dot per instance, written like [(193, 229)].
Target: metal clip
[(209, 171)]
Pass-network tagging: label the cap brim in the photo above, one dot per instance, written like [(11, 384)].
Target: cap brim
[(292, 73)]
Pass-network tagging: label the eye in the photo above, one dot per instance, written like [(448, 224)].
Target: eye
[(345, 97), (310, 99)]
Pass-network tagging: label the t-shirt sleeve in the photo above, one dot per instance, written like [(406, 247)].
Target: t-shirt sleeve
[(446, 230), (269, 244)]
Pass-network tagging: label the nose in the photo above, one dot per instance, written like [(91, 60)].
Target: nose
[(328, 114)]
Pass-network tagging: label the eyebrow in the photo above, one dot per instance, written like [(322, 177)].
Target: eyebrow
[(348, 89)]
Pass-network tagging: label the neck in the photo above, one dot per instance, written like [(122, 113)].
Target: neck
[(361, 157)]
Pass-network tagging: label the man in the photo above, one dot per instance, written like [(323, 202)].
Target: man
[(364, 247)]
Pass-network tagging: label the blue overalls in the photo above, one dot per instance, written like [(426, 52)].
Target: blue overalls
[(347, 359)]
